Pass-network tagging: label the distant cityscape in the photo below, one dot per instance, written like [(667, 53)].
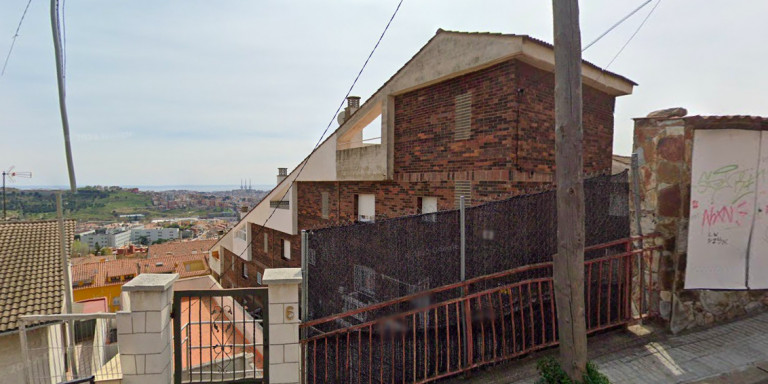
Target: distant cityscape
[(160, 188)]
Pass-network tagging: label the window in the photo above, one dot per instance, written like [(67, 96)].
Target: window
[(242, 233), (366, 208), (325, 204), (286, 251), (463, 116), (245, 271), (266, 243), (116, 301), (258, 278), (425, 205)]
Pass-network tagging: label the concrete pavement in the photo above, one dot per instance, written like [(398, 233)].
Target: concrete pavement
[(735, 353)]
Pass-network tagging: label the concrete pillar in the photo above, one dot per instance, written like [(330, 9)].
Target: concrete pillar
[(144, 329), (284, 348)]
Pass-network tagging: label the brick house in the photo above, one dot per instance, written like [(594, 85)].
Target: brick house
[(470, 114)]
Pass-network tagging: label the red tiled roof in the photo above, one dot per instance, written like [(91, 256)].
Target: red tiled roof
[(31, 279), (180, 248), (98, 274)]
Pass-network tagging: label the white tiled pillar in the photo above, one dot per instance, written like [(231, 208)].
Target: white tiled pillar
[(284, 347), (144, 329)]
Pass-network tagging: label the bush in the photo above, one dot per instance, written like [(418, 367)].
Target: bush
[(552, 373)]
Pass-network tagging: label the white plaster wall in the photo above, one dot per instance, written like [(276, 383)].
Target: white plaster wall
[(11, 360)]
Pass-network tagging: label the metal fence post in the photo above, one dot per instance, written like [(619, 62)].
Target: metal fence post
[(303, 306), (635, 165), (463, 230), (25, 351), (463, 253)]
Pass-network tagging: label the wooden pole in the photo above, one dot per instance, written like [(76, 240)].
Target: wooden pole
[(55, 28), (569, 261)]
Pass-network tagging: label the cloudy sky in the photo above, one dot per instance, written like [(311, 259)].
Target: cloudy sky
[(209, 92)]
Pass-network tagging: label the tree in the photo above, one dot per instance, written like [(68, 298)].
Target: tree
[(79, 249), (143, 240), (569, 260), (106, 251), (96, 249)]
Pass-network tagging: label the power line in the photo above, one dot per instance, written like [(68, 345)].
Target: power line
[(521, 90), (633, 35), (333, 119), (615, 25), (15, 35)]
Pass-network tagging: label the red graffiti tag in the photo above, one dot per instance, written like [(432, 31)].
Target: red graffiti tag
[(725, 215)]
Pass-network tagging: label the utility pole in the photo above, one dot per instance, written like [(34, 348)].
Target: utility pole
[(62, 92), (569, 261)]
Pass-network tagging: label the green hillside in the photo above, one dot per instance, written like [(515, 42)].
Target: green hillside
[(87, 204)]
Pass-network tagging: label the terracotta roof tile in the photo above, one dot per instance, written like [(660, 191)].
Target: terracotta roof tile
[(181, 248), (32, 282), (118, 272)]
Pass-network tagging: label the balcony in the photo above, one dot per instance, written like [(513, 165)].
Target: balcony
[(367, 162)]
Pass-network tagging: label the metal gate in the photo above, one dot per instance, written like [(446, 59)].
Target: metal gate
[(220, 336)]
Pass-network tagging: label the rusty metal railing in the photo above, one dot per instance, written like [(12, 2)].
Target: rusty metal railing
[(451, 329)]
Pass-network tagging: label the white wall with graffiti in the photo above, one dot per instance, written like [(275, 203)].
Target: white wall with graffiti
[(728, 227), (703, 189)]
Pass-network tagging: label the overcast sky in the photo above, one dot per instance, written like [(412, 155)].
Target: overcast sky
[(210, 92)]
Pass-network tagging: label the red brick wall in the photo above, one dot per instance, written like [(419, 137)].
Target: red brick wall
[(424, 127), (428, 159), (232, 275), (393, 199), (537, 122)]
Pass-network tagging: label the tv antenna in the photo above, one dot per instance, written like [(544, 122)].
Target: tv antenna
[(11, 175)]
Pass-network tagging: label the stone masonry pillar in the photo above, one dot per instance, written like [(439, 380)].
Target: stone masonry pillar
[(144, 329), (284, 348)]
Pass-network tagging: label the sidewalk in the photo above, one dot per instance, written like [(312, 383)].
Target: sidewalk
[(734, 353)]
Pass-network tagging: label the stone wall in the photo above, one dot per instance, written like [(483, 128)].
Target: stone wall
[(664, 144)]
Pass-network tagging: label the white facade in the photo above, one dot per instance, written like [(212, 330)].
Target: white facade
[(106, 239), (154, 234), (45, 361)]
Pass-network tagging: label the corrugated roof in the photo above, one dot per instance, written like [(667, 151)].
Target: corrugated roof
[(31, 279)]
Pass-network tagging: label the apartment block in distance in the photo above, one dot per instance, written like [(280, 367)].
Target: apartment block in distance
[(470, 114)]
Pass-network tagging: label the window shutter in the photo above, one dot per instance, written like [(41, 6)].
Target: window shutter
[(326, 208), (462, 188), (463, 115)]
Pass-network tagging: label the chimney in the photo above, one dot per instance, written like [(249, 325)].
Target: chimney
[(353, 104), (282, 173), (243, 211)]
